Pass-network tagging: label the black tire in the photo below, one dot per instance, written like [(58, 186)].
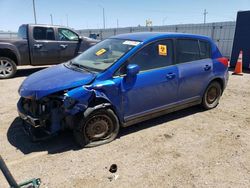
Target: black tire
[(7, 68), (212, 95), (104, 121)]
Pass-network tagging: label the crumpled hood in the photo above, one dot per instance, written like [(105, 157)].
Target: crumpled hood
[(53, 79)]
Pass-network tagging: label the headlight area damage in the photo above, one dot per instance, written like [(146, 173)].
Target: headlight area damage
[(44, 117)]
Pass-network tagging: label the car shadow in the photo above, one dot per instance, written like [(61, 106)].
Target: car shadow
[(18, 138), (65, 141), (27, 71), (159, 120)]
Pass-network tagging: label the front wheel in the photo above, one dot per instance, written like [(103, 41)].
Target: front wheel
[(7, 68), (100, 127), (212, 95)]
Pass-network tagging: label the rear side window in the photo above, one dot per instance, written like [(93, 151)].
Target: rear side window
[(187, 50), (205, 50), (22, 32), (43, 33), (155, 55)]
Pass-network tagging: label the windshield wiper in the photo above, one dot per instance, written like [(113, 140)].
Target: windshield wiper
[(79, 66)]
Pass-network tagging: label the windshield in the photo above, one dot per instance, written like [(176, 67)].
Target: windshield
[(104, 54)]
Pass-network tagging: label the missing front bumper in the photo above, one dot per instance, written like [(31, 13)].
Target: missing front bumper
[(37, 134)]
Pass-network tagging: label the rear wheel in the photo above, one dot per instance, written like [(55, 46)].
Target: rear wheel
[(100, 127), (7, 68), (212, 95)]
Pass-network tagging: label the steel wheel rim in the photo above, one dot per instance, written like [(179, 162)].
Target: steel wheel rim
[(6, 68), (99, 127), (212, 95)]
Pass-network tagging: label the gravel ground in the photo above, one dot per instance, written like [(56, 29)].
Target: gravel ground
[(188, 148)]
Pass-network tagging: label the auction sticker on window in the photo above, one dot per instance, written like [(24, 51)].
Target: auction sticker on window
[(100, 52), (130, 42), (163, 50)]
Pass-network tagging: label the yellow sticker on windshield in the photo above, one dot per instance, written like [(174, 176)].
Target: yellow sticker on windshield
[(163, 50), (100, 52)]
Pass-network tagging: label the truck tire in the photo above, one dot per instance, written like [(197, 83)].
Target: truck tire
[(99, 127), (7, 68)]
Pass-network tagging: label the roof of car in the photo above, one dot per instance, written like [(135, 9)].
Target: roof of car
[(144, 36)]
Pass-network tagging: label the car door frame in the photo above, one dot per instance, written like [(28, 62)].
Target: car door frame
[(155, 111), (199, 95), (68, 45), (39, 48)]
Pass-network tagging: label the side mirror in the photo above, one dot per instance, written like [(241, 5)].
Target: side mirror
[(132, 70), (80, 38)]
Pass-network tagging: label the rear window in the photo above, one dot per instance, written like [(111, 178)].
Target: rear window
[(22, 32), (43, 33), (187, 50), (191, 50), (205, 50)]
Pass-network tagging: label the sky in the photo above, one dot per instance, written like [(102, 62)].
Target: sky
[(88, 14)]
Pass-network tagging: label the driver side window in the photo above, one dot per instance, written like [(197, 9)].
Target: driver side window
[(156, 55), (67, 35)]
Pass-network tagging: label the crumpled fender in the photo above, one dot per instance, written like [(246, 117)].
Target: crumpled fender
[(77, 99), (83, 96)]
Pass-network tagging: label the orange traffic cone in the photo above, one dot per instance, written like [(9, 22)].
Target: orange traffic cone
[(238, 67)]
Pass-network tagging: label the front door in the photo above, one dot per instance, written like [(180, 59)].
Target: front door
[(155, 86), (69, 44), (44, 47)]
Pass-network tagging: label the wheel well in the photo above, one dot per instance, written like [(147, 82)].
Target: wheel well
[(97, 101), (220, 81), (9, 54)]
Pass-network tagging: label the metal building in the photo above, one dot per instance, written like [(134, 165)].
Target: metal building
[(221, 32)]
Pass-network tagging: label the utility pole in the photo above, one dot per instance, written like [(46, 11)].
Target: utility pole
[(34, 10), (117, 23), (103, 16), (67, 20), (205, 15), (163, 20), (51, 19)]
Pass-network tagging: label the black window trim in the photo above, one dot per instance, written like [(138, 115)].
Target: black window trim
[(46, 28), (125, 62)]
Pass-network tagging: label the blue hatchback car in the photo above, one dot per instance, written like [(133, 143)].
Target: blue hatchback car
[(121, 81)]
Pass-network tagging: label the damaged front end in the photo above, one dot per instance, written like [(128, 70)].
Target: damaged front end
[(44, 117)]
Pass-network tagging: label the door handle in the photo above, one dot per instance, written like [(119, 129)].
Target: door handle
[(207, 67), (63, 46), (38, 45), (170, 75)]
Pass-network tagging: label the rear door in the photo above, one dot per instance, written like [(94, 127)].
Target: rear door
[(44, 47), (69, 44), (195, 67), (156, 85)]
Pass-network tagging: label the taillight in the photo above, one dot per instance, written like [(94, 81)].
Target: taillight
[(223, 60)]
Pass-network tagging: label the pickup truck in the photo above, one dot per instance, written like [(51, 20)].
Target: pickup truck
[(40, 45)]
